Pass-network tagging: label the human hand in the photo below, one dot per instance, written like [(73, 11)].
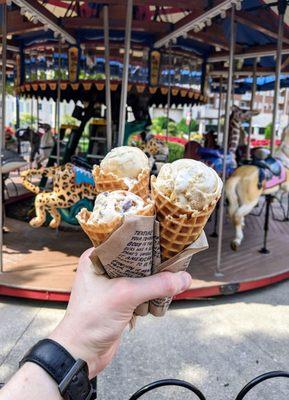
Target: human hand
[(100, 308)]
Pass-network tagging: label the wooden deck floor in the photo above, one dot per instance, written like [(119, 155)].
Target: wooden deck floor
[(247, 263), (41, 259)]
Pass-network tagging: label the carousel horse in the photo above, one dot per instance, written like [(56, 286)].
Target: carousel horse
[(46, 144), (214, 156), (264, 175), (29, 135), (41, 142), (71, 184)]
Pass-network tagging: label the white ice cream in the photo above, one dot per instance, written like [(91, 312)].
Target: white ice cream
[(107, 206), (190, 184), (125, 162)]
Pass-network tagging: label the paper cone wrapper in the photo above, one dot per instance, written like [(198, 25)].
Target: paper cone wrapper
[(108, 182), (180, 262), (128, 251), (179, 227)]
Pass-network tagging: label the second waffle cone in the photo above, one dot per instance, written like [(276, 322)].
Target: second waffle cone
[(178, 227), (107, 182)]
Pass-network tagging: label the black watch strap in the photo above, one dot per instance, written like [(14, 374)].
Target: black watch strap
[(71, 375)]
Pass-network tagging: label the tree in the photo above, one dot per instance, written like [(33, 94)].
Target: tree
[(268, 131), (26, 119), (183, 127)]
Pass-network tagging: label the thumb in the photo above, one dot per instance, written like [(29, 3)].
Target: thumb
[(163, 284)]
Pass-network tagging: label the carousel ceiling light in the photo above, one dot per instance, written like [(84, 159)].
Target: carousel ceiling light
[(28, 6), (174, 40), (201, 21), (185, 35), (223, 14), (209, 22)]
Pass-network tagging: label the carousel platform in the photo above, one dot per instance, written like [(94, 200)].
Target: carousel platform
[(40, 263)]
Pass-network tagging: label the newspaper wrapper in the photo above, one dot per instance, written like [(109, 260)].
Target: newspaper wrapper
[(133, 250), (128, 252), (180, 262)]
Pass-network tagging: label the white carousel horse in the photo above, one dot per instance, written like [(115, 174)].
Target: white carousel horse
[(46, 144), (248, 182)]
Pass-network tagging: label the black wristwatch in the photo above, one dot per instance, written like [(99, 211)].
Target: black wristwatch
[(70, 375)]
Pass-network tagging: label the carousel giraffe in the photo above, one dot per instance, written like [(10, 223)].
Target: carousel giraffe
[(236, 132)]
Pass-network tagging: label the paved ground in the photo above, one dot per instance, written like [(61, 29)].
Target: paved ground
[(218, 345)]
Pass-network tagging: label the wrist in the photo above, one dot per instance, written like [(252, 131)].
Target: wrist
[(75, 343)]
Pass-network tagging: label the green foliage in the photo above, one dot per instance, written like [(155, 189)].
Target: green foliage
[(67, 119), (268, 131), (183, 128), (159, 126), (10, 88), (26, 120), (176, 151), (172, 129)]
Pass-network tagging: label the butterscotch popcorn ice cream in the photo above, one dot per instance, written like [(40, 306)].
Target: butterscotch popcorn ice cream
[(125, 162), (189, 184), (125, 168)]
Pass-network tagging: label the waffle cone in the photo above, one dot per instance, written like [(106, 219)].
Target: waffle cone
[(98, 232), (108, 182), (178, 227)]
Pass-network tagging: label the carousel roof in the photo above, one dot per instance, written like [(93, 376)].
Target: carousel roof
[(198, 31), (199, 27)]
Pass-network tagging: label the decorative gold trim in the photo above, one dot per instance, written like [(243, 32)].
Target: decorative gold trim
[(86, 85), (74, 86), (52, 85), (63, 85)]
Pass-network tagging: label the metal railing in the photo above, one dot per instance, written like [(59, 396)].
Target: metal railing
[(193, 389)]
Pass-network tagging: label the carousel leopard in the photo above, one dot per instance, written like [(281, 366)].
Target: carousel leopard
[(70, 185), (153, 146)]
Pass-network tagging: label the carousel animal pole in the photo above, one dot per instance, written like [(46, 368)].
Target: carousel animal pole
[(244, 188)]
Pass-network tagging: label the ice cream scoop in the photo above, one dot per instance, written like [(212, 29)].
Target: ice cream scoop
[(109, 212), (108, 206), (189, 184), (125, 162)]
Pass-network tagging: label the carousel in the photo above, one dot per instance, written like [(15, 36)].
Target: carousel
[(112, 57)]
